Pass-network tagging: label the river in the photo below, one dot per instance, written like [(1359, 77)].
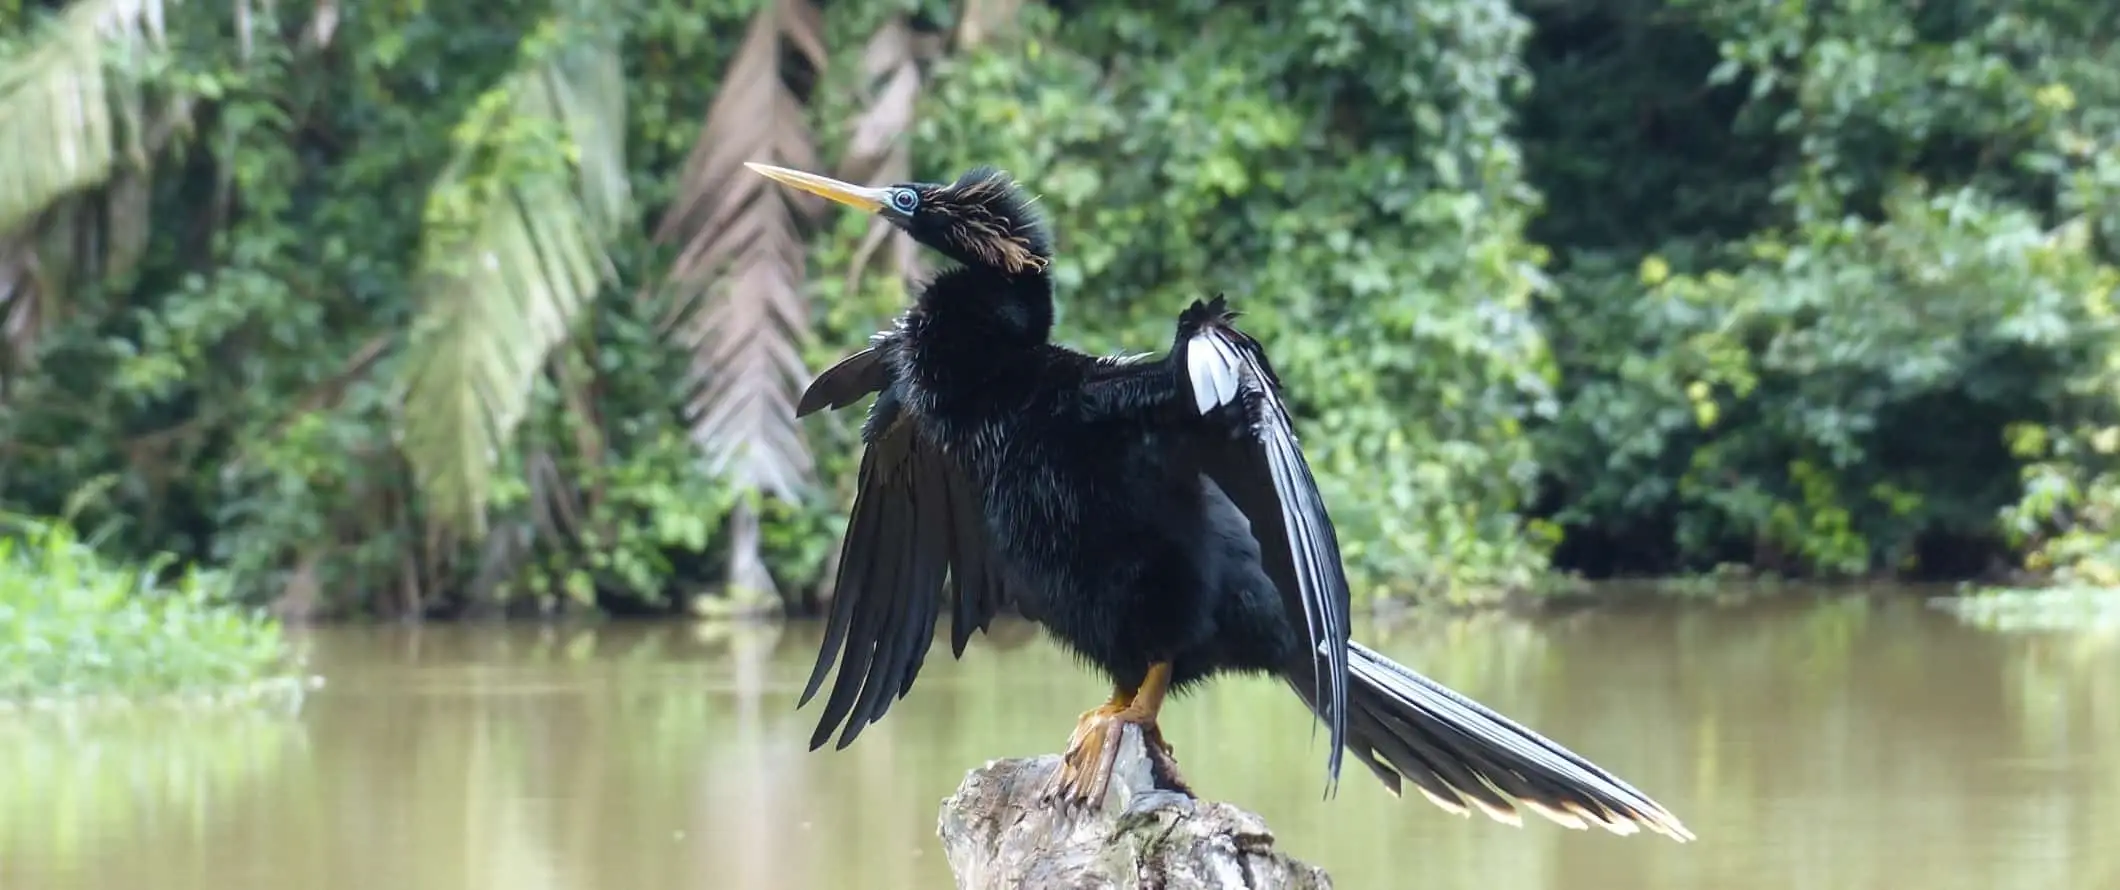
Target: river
[(1823, 743)]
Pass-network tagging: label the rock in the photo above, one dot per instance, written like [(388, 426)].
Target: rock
[(999, 835)]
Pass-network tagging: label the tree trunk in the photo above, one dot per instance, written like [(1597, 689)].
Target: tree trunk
[(999, 835)]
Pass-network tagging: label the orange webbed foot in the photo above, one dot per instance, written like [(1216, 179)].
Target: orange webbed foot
[(1085, 771)]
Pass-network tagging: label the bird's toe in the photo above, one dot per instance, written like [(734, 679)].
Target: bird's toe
[(1157, 743), (1085, 770), (1163, 764)]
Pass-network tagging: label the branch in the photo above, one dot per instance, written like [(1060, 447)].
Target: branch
[(998, 833)]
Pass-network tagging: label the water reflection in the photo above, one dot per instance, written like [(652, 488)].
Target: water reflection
[(1825, 745), (77, 792)]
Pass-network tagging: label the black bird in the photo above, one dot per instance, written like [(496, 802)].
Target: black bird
[(1154, 516)]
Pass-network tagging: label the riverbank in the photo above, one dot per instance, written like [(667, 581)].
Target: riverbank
[(2057, 606), (84, 630)]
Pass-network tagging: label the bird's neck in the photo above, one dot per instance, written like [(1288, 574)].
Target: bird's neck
[(995, 313)]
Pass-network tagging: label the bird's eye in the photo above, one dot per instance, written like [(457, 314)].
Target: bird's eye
[(904, 200)]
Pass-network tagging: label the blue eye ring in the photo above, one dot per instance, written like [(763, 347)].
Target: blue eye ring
[(905, 200)]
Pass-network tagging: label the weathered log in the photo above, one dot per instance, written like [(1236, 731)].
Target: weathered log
[(999, 834)]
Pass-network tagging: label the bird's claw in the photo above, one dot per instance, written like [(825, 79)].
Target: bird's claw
[(1085, 772)]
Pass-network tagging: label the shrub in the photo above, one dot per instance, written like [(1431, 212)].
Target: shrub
[(73, 625)]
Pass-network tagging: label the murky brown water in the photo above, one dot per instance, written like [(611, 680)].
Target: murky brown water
[(1815, 745)]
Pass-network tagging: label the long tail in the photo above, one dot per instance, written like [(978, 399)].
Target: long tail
[(1461, 755)]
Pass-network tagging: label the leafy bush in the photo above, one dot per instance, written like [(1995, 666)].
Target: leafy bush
[(1819, 262), (2068, 520), (72, 625)]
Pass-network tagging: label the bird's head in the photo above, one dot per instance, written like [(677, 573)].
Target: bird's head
[(982, 219)]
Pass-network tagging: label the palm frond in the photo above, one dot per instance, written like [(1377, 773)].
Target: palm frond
[(514, 252), (98, 235), (737, 281), (21, 308), (71, 111), (71, 105)]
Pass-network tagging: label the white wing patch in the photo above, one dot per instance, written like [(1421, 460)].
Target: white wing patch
[(1214, 367)]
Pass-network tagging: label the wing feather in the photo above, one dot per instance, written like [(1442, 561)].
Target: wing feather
[(977, 583), (915, 523), (1253, 456), (874, 587), (847, 381)]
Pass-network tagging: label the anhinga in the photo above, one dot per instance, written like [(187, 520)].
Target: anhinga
[(1154, 516)]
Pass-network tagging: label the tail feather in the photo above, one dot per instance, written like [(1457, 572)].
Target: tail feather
[(1463, 756)]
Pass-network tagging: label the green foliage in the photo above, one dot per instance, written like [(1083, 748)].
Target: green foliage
[(74, 625), (81, 69), (2068, 519), (1805, 350), (1666, 284), (307, 259)]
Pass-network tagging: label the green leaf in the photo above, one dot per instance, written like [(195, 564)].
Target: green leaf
[(513, 255)]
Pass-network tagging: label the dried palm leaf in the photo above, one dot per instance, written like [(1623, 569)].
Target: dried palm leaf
[(21, 308), (737, 281), (879, 149), (736, 284), (514, 253), (323, 24), (979, 20)]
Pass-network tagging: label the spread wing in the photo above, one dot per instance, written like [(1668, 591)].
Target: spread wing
[(915, 518), (1248, 447)]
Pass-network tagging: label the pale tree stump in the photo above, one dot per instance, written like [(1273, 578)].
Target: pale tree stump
[(999, 835)]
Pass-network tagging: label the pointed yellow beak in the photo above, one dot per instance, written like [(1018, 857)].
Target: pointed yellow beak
[(871, 200)]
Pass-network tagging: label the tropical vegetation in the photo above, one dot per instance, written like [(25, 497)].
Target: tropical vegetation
[(75, 627), (441, 309)]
